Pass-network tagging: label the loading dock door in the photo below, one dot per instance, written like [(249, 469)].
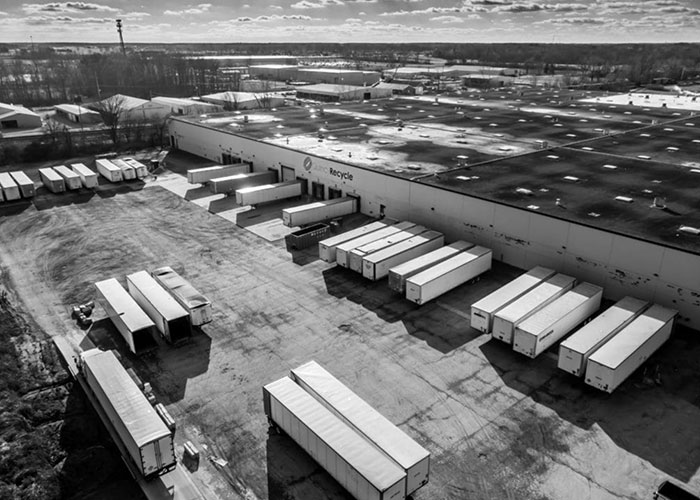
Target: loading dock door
[(317, 190), (334, 193), (304, 185), (287, 174), (229, 159)]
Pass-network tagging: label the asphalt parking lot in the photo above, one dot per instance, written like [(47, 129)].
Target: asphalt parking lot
[(498, 425)]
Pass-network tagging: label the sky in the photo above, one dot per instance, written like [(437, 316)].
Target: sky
[(346, 21)]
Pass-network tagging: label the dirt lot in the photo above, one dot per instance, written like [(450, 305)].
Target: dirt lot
[(499, 426)]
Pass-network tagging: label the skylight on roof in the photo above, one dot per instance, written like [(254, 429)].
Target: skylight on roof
[(624, 199), (524, 191), (690, 230), (571, 178)]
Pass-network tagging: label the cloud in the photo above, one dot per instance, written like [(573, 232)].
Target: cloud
[(60, 20), (520, 7), (576, 21), (429, 10), (317, 4), (66, 7), (135, 16), (446, 19), (276, 17), (275, 7), (363, 1), (202, 8)]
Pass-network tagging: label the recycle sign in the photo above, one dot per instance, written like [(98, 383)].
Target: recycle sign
[(307, 163)]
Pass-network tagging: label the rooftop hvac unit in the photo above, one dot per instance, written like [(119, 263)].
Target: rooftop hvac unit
[(543, 145), (658, 202), (245, 118), (462, 160)]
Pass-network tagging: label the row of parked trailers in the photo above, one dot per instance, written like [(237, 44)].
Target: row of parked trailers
[(541, 307), (141, 429), (254, 188), (15, 185), (162, 301), (366, 453), (412, 256), (117, 170)]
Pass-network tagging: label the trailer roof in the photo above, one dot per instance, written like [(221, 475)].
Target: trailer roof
[(50, 173), (514, 289), (375, 235), (179, 286), (21, 178), (432, 257), (134, 410), (448, 265), (404, 245), (156, 295), (632, 337), (359, 453), (354, 233), (391, 239), (65, 172), (523, 305), (6, 181), (378, 429), (317, 204), (611, 319), (553, 311), (82, 169), (107, 164), (124, 305), (265, 187)]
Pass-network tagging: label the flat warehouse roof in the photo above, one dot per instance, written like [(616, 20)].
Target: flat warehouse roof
[(522, 148)]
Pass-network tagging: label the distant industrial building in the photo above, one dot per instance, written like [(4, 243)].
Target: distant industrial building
[(279, 72), (231, 101), (180, 106), (399, 88), (338, 76), (334, 93), (244, 61), (78, 114), (134, 108), (18, 117)]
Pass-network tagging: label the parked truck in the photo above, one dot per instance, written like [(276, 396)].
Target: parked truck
[(620, 356), (231, 183), (52, 181), (266, 193), (400, 273), (88, 178), (376, 265), (143, 433), (326, 248), (70, 178), (575, 351), (556, 320), (108, 170), (443, 277), (9, 187), (342, 251), (26, 185), (506, 319), (131, 322), (128, 172), (368, 422), (140, 169), (171, 319), (364, 471), (319, 211), (196, 304), (482, 311), (359, 253), (205, 174)]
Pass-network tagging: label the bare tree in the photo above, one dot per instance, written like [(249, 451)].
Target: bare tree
[(113, 112)]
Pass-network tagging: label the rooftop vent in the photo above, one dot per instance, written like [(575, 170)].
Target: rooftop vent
[(524, 191), (553, 157), (669, 129), (587, 148), (413, 167), (571, 135), (689, 230), (533, 207), (690, 124), (522, 120), (696, 141), (695, 171), (610, 167), (571, 178), (462, 160), (644, 135), (463, 178), (658, 202), (672, 149), (245, 118), (656, 181), (624, 199), (644, 157), (594, 214)]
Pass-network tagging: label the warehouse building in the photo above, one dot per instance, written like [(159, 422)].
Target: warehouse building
[(180, 106), (338, 76), (78, 114), (335, 93), (399, 88), (134, 108), (231, 101), (278, 72), (17, 117), (542, 179)]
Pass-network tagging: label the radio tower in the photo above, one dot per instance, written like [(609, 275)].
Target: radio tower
[(121, 38)]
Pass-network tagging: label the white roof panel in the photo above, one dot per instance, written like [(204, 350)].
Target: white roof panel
[(124, 305), (156, 295)]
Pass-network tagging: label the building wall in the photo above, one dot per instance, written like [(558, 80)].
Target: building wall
[(23, 121), (522, 238), (344, 77)]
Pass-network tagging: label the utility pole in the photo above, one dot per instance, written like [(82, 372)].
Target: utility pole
[(121, 38)]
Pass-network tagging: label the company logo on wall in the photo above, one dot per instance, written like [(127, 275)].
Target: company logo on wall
[(307, 163)]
